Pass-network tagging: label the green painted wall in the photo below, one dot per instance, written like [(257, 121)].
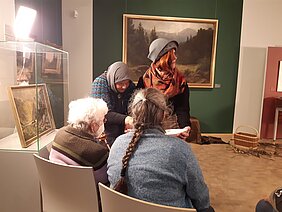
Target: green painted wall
[(213, 107), (107, 33)]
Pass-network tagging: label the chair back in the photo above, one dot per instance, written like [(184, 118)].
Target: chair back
[(113, 201), (45, 151), (66, 188)]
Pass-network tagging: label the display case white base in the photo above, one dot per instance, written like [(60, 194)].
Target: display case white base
[(12, 142), (20, 189)]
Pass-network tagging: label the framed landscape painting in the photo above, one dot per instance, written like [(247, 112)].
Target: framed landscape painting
[(52, 70), (196, 53), (32, 112)]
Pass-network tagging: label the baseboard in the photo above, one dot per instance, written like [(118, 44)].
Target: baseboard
[(224, 136)]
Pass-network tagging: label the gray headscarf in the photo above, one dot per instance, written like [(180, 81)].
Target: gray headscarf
[(117, 72), (160, 47)]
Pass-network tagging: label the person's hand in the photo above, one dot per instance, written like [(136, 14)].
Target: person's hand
[(128, 123), (184, 135)]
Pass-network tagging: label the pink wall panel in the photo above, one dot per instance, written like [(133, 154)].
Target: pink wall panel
[(274, 55)]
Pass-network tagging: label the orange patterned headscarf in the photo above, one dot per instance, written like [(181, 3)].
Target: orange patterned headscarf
[(162, 77)]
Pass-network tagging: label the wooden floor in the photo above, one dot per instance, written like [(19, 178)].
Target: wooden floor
[(237, 181)]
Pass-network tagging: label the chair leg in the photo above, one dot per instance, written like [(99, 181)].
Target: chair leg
[(275, 124)]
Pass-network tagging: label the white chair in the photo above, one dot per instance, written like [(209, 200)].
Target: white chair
[(66, 188), (113, 201), (45, 151)]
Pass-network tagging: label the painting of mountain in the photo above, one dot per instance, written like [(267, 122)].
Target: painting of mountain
[(197, 45)]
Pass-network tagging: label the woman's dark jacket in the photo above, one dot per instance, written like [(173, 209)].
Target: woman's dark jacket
[(180, 105)]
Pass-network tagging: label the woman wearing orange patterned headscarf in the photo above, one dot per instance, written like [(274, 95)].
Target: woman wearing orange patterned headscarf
[(164, 76)]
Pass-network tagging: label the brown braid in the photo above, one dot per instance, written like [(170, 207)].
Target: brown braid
[(121, 185), (147, 110)]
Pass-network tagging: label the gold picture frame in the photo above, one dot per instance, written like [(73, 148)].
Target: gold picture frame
[(32, 111), (196, 53), (52, 69)]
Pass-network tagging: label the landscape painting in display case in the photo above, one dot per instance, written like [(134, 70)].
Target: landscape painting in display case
[(32, 112)]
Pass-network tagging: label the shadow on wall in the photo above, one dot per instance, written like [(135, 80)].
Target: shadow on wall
[(250, 87), (7, 122)]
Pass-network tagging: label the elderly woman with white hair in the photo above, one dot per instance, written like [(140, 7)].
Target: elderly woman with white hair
[(78, 143)]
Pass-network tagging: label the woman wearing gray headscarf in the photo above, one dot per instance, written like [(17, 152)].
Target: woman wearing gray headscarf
[(115, 87), (164, 75)]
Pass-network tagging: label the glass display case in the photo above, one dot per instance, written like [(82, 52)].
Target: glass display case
[(33, 94)]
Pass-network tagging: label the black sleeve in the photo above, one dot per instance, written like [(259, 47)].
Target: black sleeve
[(119, 112), (181, 106), (140, 83), (115, 118)]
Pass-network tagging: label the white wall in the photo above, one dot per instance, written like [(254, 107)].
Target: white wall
[(77, 40), (7, 15), (261, 27), (7, 69)]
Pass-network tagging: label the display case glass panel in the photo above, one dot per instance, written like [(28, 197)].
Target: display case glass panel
[(33, 94)]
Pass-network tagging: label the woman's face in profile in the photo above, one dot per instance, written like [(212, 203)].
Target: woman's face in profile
[(172, 60), (122, 85), (167, 62)]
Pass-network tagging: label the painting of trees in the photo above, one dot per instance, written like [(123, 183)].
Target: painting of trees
[(196, 51)]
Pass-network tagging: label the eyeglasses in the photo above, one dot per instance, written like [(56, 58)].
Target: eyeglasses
[(122, 84)]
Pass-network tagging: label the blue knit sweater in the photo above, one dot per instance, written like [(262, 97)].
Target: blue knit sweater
[(162, 170)]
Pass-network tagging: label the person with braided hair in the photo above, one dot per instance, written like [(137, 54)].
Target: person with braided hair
[(149, 165)]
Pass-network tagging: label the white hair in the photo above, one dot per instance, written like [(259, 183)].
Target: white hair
[(83, 111)]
